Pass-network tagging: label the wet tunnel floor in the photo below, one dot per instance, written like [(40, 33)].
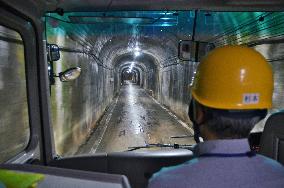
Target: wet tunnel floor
[(135, 119)]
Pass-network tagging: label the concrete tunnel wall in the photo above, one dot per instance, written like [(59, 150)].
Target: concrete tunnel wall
[(78, 105), (174, 83)]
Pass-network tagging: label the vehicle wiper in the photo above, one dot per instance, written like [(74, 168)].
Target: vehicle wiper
[(175, 146), (182, 136)]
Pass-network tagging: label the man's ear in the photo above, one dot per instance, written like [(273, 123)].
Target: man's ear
[(200, 114), (195, 112)]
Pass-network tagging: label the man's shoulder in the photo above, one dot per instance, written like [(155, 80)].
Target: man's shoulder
[(245, 170), (172, 175), (178, 168), (266, 161)]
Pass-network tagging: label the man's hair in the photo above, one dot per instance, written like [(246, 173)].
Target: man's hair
[(231, 124)]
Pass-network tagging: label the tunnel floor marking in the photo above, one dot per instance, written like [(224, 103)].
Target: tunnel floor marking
[(109, 115), (172, 115)]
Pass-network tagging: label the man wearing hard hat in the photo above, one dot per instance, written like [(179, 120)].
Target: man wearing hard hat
[(231, 92)]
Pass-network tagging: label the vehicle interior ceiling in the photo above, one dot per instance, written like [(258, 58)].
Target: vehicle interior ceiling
[(105, 37)]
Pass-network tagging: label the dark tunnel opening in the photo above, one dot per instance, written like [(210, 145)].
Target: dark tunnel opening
[(131, 75)]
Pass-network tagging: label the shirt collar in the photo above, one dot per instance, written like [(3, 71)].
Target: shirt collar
[(224, 146)]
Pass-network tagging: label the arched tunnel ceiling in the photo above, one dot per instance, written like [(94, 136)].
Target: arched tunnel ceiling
[(109, 41), (127, 66), (145, 61), (136, 70), (158, 47), (112, 35), (124, 65)]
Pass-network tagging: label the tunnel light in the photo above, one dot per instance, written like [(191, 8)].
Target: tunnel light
[(137, 53), (131, 67), (166, 18), (137, 50)]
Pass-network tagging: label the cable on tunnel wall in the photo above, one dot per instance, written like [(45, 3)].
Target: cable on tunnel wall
[(170, 65), (187, 62), (100, 63), (266, 41), (176, 62), (69, 22), (165, 64), (276, 59)]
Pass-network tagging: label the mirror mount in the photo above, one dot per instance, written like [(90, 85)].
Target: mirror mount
[(53, 54), (51, 73)]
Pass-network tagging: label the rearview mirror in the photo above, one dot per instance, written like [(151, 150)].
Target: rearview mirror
[(70, 74), (52, 52), (193, 50), (185, 50)]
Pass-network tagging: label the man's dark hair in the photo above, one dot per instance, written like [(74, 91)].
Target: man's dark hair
[(231, 124)]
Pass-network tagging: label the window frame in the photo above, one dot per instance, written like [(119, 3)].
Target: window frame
[(27, 33)]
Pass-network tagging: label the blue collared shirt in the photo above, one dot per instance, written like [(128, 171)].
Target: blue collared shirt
[(222, 163)]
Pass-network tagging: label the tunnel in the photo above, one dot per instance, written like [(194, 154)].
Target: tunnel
[(132, 73), (104, 93)]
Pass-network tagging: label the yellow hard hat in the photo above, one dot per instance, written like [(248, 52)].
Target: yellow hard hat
[(234, 77)]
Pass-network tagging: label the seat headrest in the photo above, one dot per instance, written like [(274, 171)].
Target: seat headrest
[(272, 139)]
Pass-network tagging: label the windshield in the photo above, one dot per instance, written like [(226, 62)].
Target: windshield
[(133, 89)]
